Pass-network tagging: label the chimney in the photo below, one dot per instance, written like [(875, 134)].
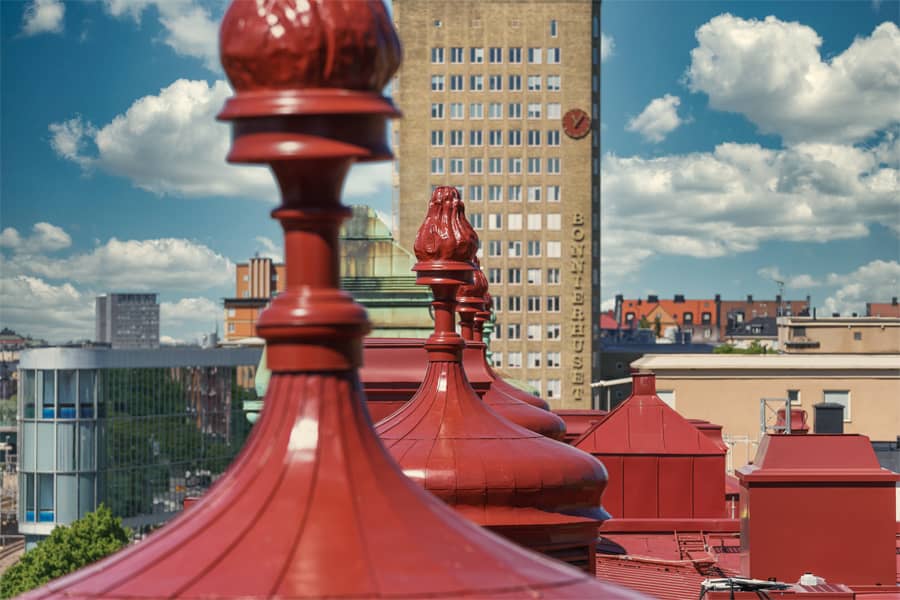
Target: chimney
[(829, 418), (679, 297), (618, 314), (652, 298), (894, 301), (798, 421), (818, 504), (814, 313), (777, 298), (749, 298), (835, 315)]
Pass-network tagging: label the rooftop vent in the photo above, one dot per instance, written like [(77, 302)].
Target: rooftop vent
[(652, 298), (679, 297), (829, 418)]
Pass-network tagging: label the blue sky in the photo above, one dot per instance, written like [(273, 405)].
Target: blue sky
[(742, 142)]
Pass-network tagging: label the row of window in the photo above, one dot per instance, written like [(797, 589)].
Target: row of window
[(495, 137), (687, 317), (475, 193), (533, 360), (532, 304), (514, 221), (455, 82), (533, 331), (514, 248), (514, 277), (494, 166), (457, 110), (495, 55)]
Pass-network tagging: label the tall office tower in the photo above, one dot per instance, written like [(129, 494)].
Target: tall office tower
[(127, 320), (500, 99)]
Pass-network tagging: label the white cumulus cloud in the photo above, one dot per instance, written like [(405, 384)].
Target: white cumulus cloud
[(731, 200), (190, 30), (772, 71), (658, 119), (801, 281), (33, 306), (607, 46), (171, 143), (877, 281), (45, 237), (43, 16)]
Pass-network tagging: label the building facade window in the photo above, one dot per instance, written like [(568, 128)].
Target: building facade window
[(514, 332), (514, 304), (553, 275), (495, 192), (534, 166), (553, 166), (534, 110), (554, 221), (514, 193), (554, 83), (495, 166), (534, 247), (554, 249), (514, 276), (553, 193), (437, 83), (476, 110), (437, 56), (456, 83), (495, 137), (534, 137), (554, 110), (534, 304), (437, 166), (495, 221), (553, 304), (476, 166), (794, 396), (534, 276), (456, 56), (495, 55), (456, 110), (497, 358), (534, 193), (534, 360), (476, 220), (437, 137), (515, 110), (456, 166), (533, 331), (475, 193), (534, 56), (476, 83), (841, 397), (515, 359), (437, 110), (475, 137), (554, 57), (553, 331), (495, 275), (495, 248), (534, 221), (554, 389), (476, 56), (515, 83), (495, 110), (534, 83), (515, 55), (554, 28), (515, 166), (456, 137), (553, 137), (514, 221), (553, 359), (515, 137), (514, 249)]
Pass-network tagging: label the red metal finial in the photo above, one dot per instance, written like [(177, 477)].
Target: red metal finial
[(314, 507), (470, 301), (514, 481), (482, 317)]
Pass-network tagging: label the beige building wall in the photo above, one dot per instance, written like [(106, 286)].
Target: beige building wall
[(858, 335), (726, 389), (554, 354)]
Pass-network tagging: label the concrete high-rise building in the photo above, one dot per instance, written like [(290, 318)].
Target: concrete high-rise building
[(501, 99), (127, 320)]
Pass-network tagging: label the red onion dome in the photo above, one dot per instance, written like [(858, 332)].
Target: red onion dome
[(512, 480)]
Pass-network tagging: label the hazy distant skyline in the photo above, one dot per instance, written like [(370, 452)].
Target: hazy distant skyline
[(742, 142)]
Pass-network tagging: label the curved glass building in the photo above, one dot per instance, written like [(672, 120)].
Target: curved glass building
[(137, 430)]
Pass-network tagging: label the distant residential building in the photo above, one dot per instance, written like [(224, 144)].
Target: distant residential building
[(705, 321), (136, 429), (127, 320), (883, 309), (727, 388), (761, 330), (839, 335), (374, 268)]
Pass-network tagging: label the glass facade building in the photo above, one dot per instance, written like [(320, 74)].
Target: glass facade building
[(137, 430)]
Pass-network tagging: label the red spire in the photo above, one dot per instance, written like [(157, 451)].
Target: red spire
[(470, 299), (314, 507), (514, 481)]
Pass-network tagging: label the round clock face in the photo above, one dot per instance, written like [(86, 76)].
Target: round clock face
[(576, 123)]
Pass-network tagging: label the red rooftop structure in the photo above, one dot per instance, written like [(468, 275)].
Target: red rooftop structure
[(540, 493), (314, 507), (820, 504), (660, 466)]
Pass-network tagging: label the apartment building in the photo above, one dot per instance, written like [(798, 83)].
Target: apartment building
[(840, 335), (127, 320), (500, 99)]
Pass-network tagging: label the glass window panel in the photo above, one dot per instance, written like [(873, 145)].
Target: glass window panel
[(85, 494), (67, 498), (67, 394), (28, 497), (65, 447), (86, 447), (45, 498), (26, 445), (45, 458), (87, 382), (48, 385), (28, 394)]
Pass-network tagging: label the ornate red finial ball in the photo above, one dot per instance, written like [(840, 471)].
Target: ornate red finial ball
[(479, 286), (446, 234), (300, 44)]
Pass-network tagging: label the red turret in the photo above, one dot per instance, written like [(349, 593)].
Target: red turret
[(536, 491), (314, 507), (470, 302)]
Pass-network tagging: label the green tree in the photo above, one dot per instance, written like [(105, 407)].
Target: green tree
[(644, 323), (67, 549), (754, 348)]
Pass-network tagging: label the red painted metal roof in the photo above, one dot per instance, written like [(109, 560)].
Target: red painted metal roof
[(644, 424), (666, 581)]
